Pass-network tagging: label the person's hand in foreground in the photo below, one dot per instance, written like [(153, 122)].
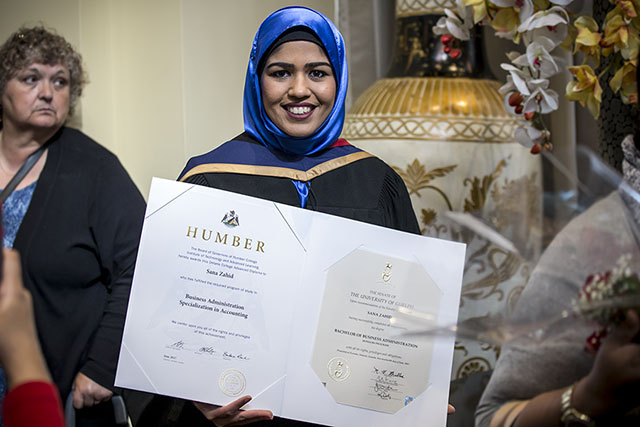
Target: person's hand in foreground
[(87, 393), (32, 400), (610, 389), (613, 383), (231, 414), (20, 352)]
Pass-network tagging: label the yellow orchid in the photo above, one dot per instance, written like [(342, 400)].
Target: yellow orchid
[(541, 4), (619, 36), (625, 81), (546, 25), (630, 8), (630, 50), (479, 9), (506, 20), (586, 89), (588, 38), (616, 31)]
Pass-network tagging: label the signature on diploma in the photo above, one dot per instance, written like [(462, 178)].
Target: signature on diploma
[(388, 373), (383, 391), (178, 345), (229, 355), (206, 350)]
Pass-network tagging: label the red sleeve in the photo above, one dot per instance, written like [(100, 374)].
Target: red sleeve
[(33, 404)]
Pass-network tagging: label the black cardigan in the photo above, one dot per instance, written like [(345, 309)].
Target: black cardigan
[(78, 242)]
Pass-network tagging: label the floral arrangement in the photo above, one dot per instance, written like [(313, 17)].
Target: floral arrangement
[(598, 299), (542, 26)]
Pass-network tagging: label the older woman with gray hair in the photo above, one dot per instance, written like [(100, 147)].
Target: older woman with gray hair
[(72, 212)]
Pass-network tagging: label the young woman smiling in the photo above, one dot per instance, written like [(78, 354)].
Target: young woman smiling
[(298, 87), (291, 151)]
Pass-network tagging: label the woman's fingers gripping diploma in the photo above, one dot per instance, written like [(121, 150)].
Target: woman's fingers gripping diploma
[(231, 414)]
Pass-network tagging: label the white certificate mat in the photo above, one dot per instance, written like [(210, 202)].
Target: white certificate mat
[(356, 353), (234, 295)]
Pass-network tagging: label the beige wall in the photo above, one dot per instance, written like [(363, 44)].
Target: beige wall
[(166, 76)]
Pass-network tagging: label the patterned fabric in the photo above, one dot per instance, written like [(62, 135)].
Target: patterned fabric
[(13, 210)]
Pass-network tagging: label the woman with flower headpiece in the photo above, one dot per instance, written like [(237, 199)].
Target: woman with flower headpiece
[(72, 212), (574, 375), (291, 151)]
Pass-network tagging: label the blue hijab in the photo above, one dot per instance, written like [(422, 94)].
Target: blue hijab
[(256, 121)]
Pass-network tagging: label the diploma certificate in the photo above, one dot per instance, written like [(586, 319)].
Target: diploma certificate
[(234, 295)]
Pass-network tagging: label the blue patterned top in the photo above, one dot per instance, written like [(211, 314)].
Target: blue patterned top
[(13, 210)]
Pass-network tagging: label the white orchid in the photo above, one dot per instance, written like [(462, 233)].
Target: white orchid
[(528, 135), (541, 26), (523, 94), (544, 18), (532, 137), (457, 24), (519, 77), (441, 26), (542, 99), (513, 55), (458, 27), (507, 35), (513, 102), (512, 97), (551, 23), (507, 87), (538, 58)]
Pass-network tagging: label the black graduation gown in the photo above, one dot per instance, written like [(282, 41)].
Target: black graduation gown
[(355, 186), (365, 189)]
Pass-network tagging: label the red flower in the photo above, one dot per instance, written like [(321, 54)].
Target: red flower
[(455, 53), (446, 38), (515, 99), (594, 340)]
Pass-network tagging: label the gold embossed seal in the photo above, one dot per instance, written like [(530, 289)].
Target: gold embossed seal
[(386, 274), (338, 368)]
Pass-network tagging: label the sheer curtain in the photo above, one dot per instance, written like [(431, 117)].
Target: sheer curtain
[(369, 30)]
